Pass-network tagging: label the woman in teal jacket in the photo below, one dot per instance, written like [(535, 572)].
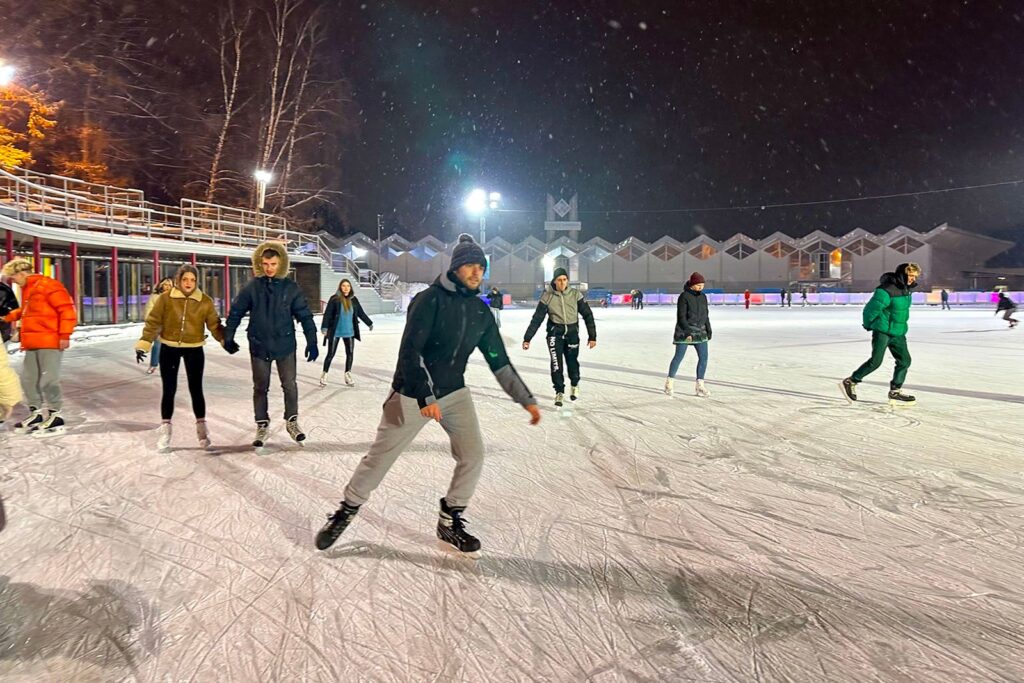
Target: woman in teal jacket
[(885, 316)]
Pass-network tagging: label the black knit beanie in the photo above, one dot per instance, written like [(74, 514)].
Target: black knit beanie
[(467, 251)]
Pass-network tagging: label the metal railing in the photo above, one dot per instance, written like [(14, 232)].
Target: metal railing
[(72, 204)]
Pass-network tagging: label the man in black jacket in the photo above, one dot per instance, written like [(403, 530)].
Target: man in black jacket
[(563, 306), (446, 322), (494, 300), (273, 302)]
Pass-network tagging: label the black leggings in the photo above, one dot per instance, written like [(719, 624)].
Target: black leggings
[(170, 360), (332, 348)]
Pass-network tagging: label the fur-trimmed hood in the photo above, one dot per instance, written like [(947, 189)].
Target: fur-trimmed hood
[(281, 249)]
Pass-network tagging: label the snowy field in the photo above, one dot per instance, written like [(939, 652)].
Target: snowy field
[(770, 532)]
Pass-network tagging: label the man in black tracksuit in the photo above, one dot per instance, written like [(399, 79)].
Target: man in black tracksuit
[(446, 323), (563, 305), (274, 302)]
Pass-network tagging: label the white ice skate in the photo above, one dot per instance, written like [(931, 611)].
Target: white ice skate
[(203, 434), (52, 426), (574, 393), (668, 386), (163, 440), (348, 380), (559, 396), (701, 390), (323, 379)]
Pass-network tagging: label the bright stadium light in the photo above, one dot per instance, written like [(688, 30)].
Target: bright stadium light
[(263, 179), (476, 202), (7, 72)]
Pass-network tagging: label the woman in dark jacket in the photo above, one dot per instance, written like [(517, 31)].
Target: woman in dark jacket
[(693, 328), (341, 324)]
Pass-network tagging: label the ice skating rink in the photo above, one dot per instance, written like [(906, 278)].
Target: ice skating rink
[(770, 532)]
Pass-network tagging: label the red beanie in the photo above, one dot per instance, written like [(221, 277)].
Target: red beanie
[(695, 279)]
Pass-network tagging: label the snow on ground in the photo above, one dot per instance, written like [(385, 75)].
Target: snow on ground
[(770, 532)]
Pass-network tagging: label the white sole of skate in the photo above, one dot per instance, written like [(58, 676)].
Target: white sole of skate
[(455, 552), (46, 434)]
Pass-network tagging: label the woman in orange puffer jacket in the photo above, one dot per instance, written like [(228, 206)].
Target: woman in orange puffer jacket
[(48, 318)]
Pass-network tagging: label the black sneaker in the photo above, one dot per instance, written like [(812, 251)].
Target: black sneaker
[(896, 396), (336, 524), (451, 528), (849, 388), (30, 423)]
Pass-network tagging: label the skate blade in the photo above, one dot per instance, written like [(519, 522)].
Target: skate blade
[(452, 550), (902, 404), (47, 433)]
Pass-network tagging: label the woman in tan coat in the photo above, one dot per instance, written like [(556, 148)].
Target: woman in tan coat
[(178, 319)]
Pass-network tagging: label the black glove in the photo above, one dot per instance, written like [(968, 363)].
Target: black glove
[(312, 352), (140, 356), (325, 339), (231, 346), (371, 328)]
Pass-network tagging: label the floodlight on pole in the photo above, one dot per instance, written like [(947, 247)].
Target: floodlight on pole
[(263, 179), (478, 203), (7, 72)]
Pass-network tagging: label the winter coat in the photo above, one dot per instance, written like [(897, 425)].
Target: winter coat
[(47, 314), (273, 305), (563, 309), (1005, 303), (8, 302), (445, 323), (692, 318), (10, 387), (180, 320), (333, 309), (889, 308), (495, 299)]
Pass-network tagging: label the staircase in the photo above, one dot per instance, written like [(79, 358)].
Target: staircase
[(340, 267)]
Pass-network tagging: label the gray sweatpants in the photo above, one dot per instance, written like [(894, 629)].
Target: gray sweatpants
[(400, 424), (40, 378)]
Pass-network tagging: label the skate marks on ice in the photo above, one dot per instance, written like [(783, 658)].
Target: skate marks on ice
[(105, 632)]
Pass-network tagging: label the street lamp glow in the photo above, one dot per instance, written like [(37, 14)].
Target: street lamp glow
[(495, 198), (263, 176), (6, 74), (476, 202)]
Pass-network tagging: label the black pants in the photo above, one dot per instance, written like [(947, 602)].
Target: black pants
[(170, 361), (332, 348), (261, 385), (564, 349)]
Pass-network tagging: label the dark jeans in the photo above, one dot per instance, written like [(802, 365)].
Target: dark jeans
[(170, 361), (897, 347), (564, 350), (332, 348), (261, 385)]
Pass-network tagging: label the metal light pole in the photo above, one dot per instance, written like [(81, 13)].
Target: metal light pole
[(380, 244)]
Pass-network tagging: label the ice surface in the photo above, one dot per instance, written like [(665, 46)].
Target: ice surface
[(770, 532)]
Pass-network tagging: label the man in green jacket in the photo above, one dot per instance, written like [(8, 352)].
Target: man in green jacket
[(885, 316)]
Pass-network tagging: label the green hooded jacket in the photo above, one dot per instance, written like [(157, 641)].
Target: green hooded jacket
[(889, 309)]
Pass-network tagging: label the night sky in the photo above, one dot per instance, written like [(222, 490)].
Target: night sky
[(642, 107)]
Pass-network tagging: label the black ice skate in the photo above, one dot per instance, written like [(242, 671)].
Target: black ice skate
[(849, 388), (53, 425), (30, 423), (336, 524), (262, 434), (294, 430), (897, 397), (451, 528)]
